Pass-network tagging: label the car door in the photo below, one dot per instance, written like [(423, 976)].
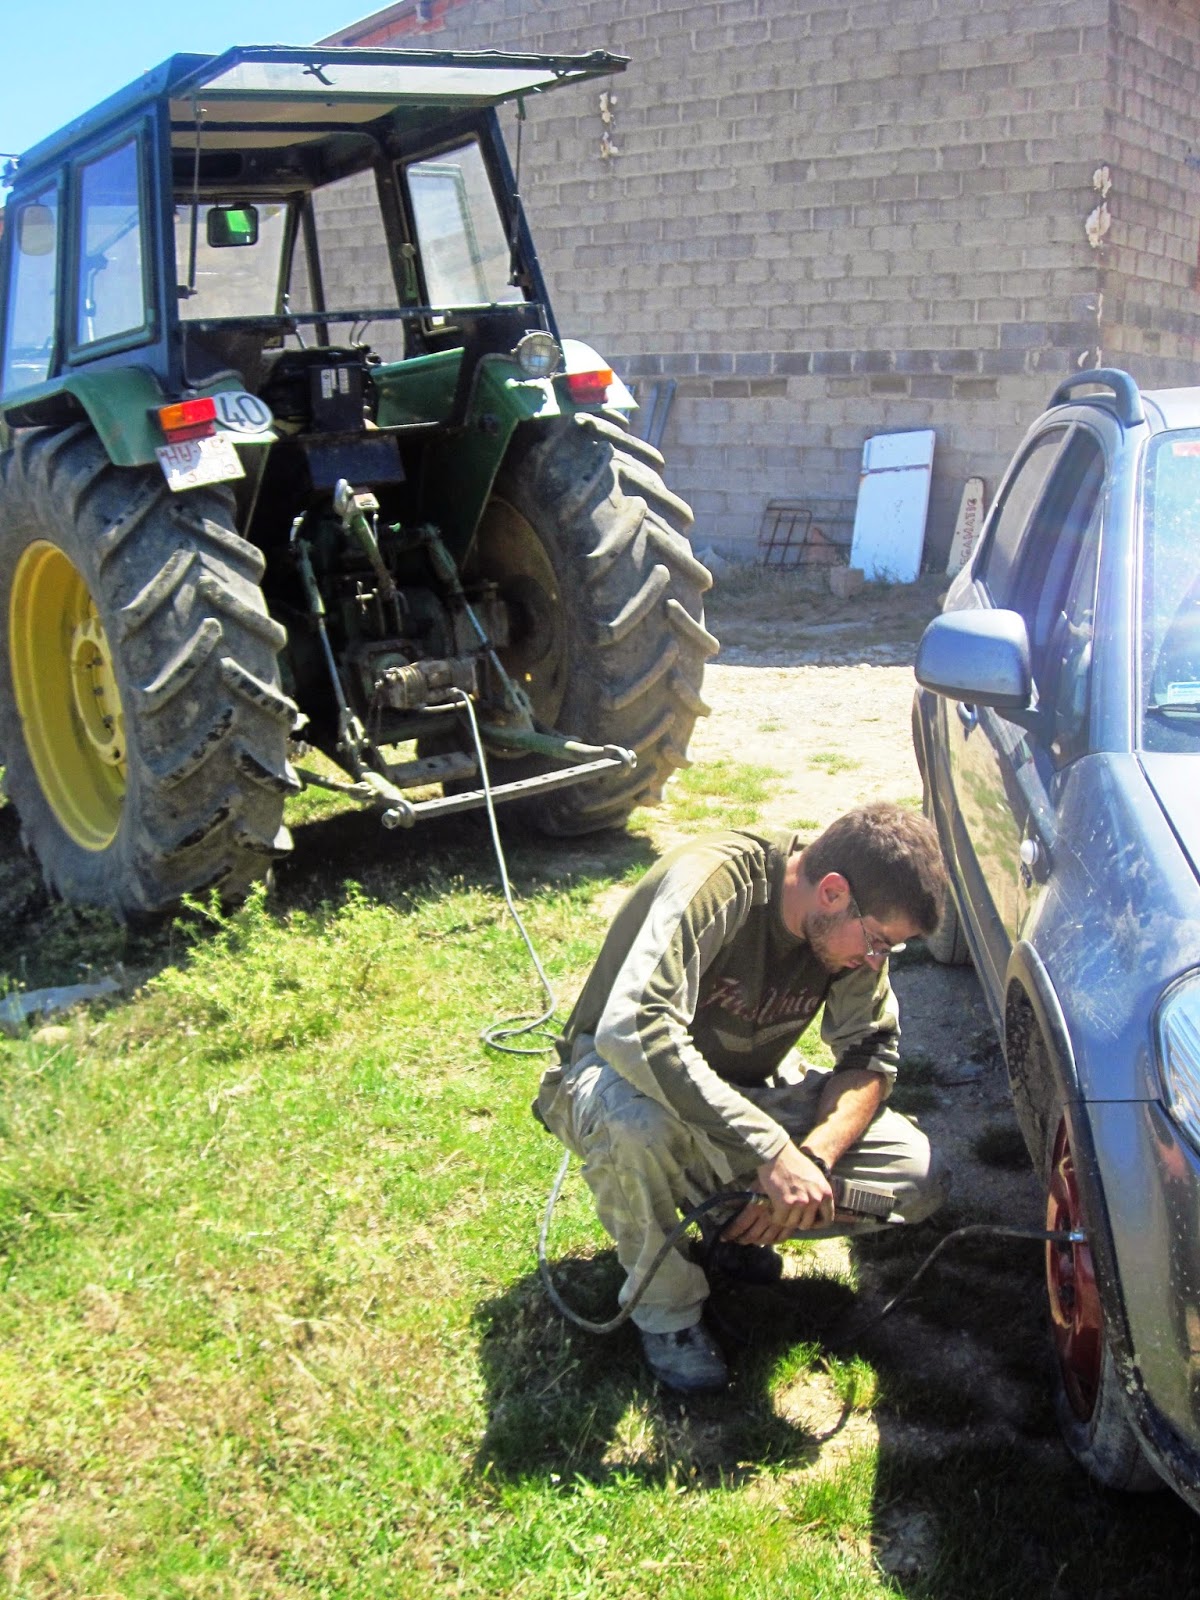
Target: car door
[(1054, 590), (978, 743)]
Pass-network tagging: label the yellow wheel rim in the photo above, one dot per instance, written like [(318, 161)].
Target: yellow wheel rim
[(67, 696)]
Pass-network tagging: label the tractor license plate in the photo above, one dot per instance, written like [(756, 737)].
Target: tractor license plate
[(197, 461)]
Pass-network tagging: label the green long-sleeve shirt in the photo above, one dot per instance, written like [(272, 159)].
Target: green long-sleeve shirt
[(700, 987)]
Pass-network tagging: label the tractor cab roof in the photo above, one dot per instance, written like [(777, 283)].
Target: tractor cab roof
[(290, 95)]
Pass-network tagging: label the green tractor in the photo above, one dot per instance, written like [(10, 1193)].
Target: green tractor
[(293, 458)]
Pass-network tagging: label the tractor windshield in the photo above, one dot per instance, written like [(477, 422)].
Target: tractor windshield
[(230, 282), (327, 254)]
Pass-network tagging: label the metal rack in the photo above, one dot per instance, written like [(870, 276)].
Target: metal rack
[(814, 532)]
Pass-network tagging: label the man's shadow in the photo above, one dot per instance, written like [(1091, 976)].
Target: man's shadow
[(574, 1405)]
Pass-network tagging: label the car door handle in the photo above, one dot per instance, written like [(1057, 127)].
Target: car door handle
[(967, 715)]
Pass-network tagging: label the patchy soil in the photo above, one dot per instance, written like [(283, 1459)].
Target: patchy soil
[(818, 693), (817, 690)]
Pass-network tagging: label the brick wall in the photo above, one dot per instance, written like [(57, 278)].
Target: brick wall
[(826, 221), (1148, 261)]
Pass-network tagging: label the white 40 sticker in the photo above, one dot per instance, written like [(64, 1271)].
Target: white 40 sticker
[(242, 412)]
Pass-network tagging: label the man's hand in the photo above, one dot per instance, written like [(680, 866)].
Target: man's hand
[(799, 1197)]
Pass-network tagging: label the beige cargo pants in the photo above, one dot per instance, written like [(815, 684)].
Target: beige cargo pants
[(644, 1165)]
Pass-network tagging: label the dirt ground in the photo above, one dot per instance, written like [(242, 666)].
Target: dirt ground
[(817, 690)]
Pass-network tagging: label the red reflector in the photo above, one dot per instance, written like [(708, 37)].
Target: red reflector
[(587, 388), (188, 419)]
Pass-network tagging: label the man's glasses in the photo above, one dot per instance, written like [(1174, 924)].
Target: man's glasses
[(877, 948)]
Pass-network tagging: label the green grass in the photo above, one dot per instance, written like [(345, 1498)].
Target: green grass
[(270, 1322), (718, 794), (271, 1325), (833, 762)]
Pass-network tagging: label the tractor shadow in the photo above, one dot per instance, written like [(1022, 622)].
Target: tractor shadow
[(44, 942), (353, 846)]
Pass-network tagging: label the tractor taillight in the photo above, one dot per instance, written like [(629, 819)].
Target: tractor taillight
[(589, 388), (188, 419)]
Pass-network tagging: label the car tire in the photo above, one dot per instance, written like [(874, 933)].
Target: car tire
[(142, 721), (947, 945), (1089, 1399), (589, 548)]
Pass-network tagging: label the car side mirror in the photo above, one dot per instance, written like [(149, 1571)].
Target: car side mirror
[(37, 231), (231, 227), (981, 658)]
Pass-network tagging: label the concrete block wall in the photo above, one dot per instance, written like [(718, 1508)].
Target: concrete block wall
[(824, 221), (1150, 257)]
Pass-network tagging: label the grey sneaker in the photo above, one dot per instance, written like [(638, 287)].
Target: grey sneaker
[(689, 1362)]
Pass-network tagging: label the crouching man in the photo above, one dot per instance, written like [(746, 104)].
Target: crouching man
[(677, 1077)]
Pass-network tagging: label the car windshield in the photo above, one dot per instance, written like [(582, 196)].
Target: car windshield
[(1171, 594)]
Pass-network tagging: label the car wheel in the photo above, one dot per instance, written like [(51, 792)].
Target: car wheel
[(1089, 1398)]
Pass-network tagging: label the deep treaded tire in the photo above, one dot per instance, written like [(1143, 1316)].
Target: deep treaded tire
[(591, 550), (142, 723)]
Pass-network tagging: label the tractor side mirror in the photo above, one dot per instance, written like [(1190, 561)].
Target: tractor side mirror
[(231, 227), (37, 231)]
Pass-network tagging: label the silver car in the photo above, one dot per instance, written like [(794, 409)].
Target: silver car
[(1057, 728)]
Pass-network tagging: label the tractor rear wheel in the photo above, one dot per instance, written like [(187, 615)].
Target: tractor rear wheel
[(590, 550), (142, 723)]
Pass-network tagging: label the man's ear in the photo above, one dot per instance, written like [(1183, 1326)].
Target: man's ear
[(833, 892)]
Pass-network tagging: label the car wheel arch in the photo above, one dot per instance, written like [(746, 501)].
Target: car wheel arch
[(1036, 1042), (1037, 1051)]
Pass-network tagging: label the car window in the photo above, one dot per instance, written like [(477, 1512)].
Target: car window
[(1170, 615), (1067, 672), (1051, 583), (1011, 519), (1054, 542)]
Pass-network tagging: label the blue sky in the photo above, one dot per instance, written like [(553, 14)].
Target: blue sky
[(61, 56)]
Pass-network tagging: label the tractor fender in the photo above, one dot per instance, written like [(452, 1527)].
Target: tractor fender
[(501, 400), (118, 402)]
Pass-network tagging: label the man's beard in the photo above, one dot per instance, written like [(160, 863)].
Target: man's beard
[(818, 930)]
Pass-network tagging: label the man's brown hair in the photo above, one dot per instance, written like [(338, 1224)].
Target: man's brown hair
[(891, 859)]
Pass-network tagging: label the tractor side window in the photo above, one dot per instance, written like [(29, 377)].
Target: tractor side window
[(112, 285), (33, 291), (464, 252)]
